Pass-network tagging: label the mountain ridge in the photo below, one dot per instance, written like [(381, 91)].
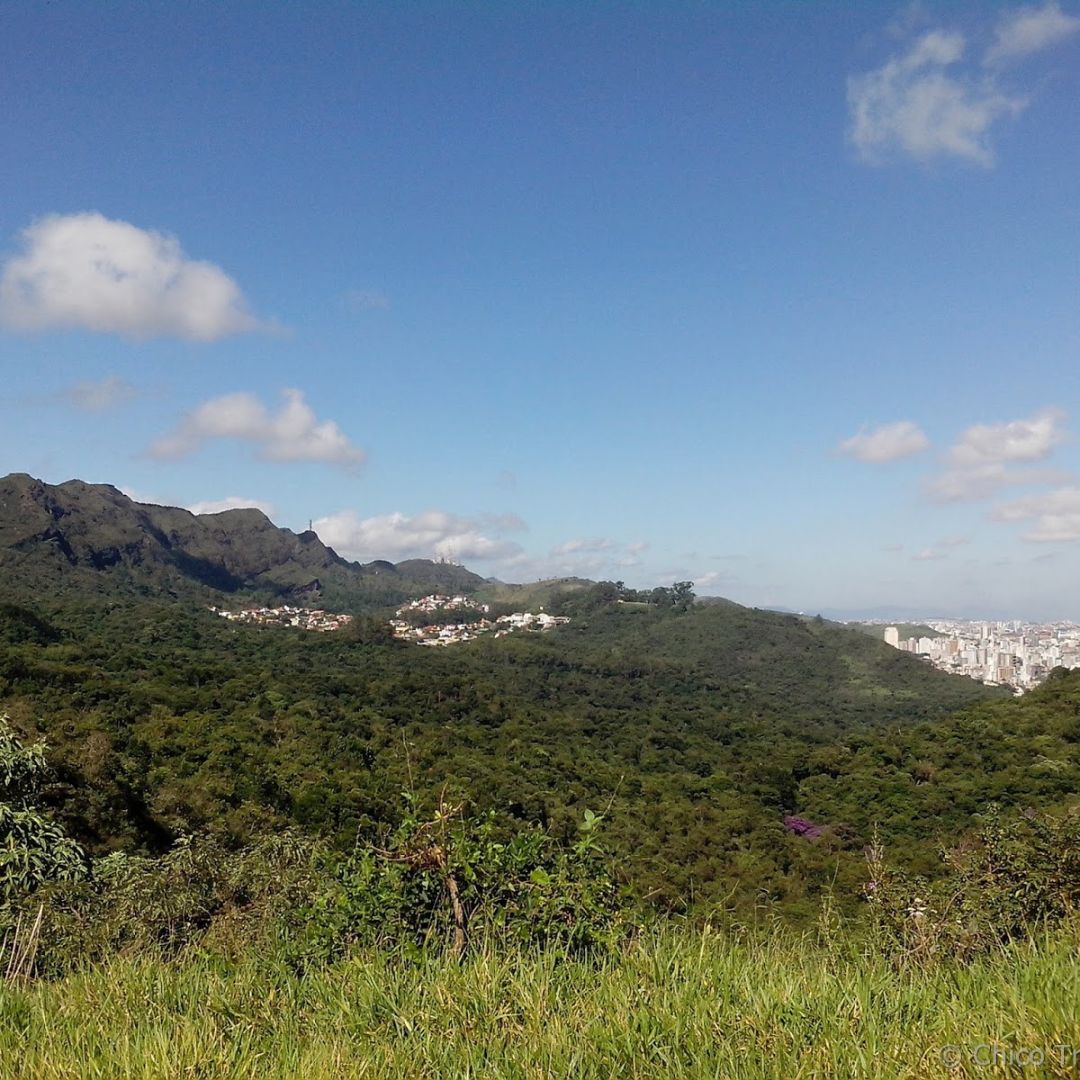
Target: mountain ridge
[(65, 534)]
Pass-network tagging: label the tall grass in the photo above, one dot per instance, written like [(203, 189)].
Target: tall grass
[(678, 1003)]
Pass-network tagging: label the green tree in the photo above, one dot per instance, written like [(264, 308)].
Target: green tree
[(682, 595), (33, 848)]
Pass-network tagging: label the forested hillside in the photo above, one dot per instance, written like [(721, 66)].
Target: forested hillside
[(700, 731), (739, 755)]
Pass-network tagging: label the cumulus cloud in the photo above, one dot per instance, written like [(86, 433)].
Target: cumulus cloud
[(921, 105), (1030, 439), (230, 502), (86, 271), (1029, 30), (1055, 515), (433, 534), (982, 462), (292, 433), (481, 538), (100, 396), (888, 442)]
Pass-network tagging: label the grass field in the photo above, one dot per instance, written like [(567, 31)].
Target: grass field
[(678, 1004)]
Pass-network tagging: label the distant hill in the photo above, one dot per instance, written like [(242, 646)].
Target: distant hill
[(783, 664), (81, 540), (533, 596)]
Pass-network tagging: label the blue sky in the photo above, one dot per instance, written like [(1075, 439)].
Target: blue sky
[(781, 298)]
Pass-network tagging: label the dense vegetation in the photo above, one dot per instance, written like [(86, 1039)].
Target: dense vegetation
[(258, 851), (702, 730), (447, 953)]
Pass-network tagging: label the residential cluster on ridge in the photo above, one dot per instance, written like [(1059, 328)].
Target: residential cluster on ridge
[(421, 622), (303, 618), (1013, 654), (412, 622)]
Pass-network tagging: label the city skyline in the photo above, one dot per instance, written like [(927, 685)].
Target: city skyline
[(779, 300), (1013, 653)]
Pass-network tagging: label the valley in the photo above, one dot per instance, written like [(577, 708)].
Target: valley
[(636, 778)]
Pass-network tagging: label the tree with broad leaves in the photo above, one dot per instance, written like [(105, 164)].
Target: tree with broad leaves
[(33, 848)]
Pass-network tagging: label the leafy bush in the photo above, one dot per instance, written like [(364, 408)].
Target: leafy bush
[(34, 850), (450, 881), (197, 894), (1018, 874), (444, 882)]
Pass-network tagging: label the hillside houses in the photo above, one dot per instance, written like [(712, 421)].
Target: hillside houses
[(302, 618), (408, 624), (428, 621)]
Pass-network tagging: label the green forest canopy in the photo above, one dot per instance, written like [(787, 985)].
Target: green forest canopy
[(701, 729)]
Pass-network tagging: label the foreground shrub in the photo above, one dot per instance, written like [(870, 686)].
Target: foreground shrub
[(1017, 875), (448, 880), (199, 894), (34, 850), (440, 883)]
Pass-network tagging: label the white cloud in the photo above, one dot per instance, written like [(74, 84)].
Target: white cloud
[(584, 544), (1056, 515), (985, 481), (928, 555), (712, 579), (592, 556), (918, 104), (588, 557), (231, 502), (886, 443), (1029, 30), (438, 534), (100, 396), (1030, 439), (433, 534), (293, 433), (85, 271), (980, 463)]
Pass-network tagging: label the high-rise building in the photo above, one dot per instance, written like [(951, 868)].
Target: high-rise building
[(892, 637)]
